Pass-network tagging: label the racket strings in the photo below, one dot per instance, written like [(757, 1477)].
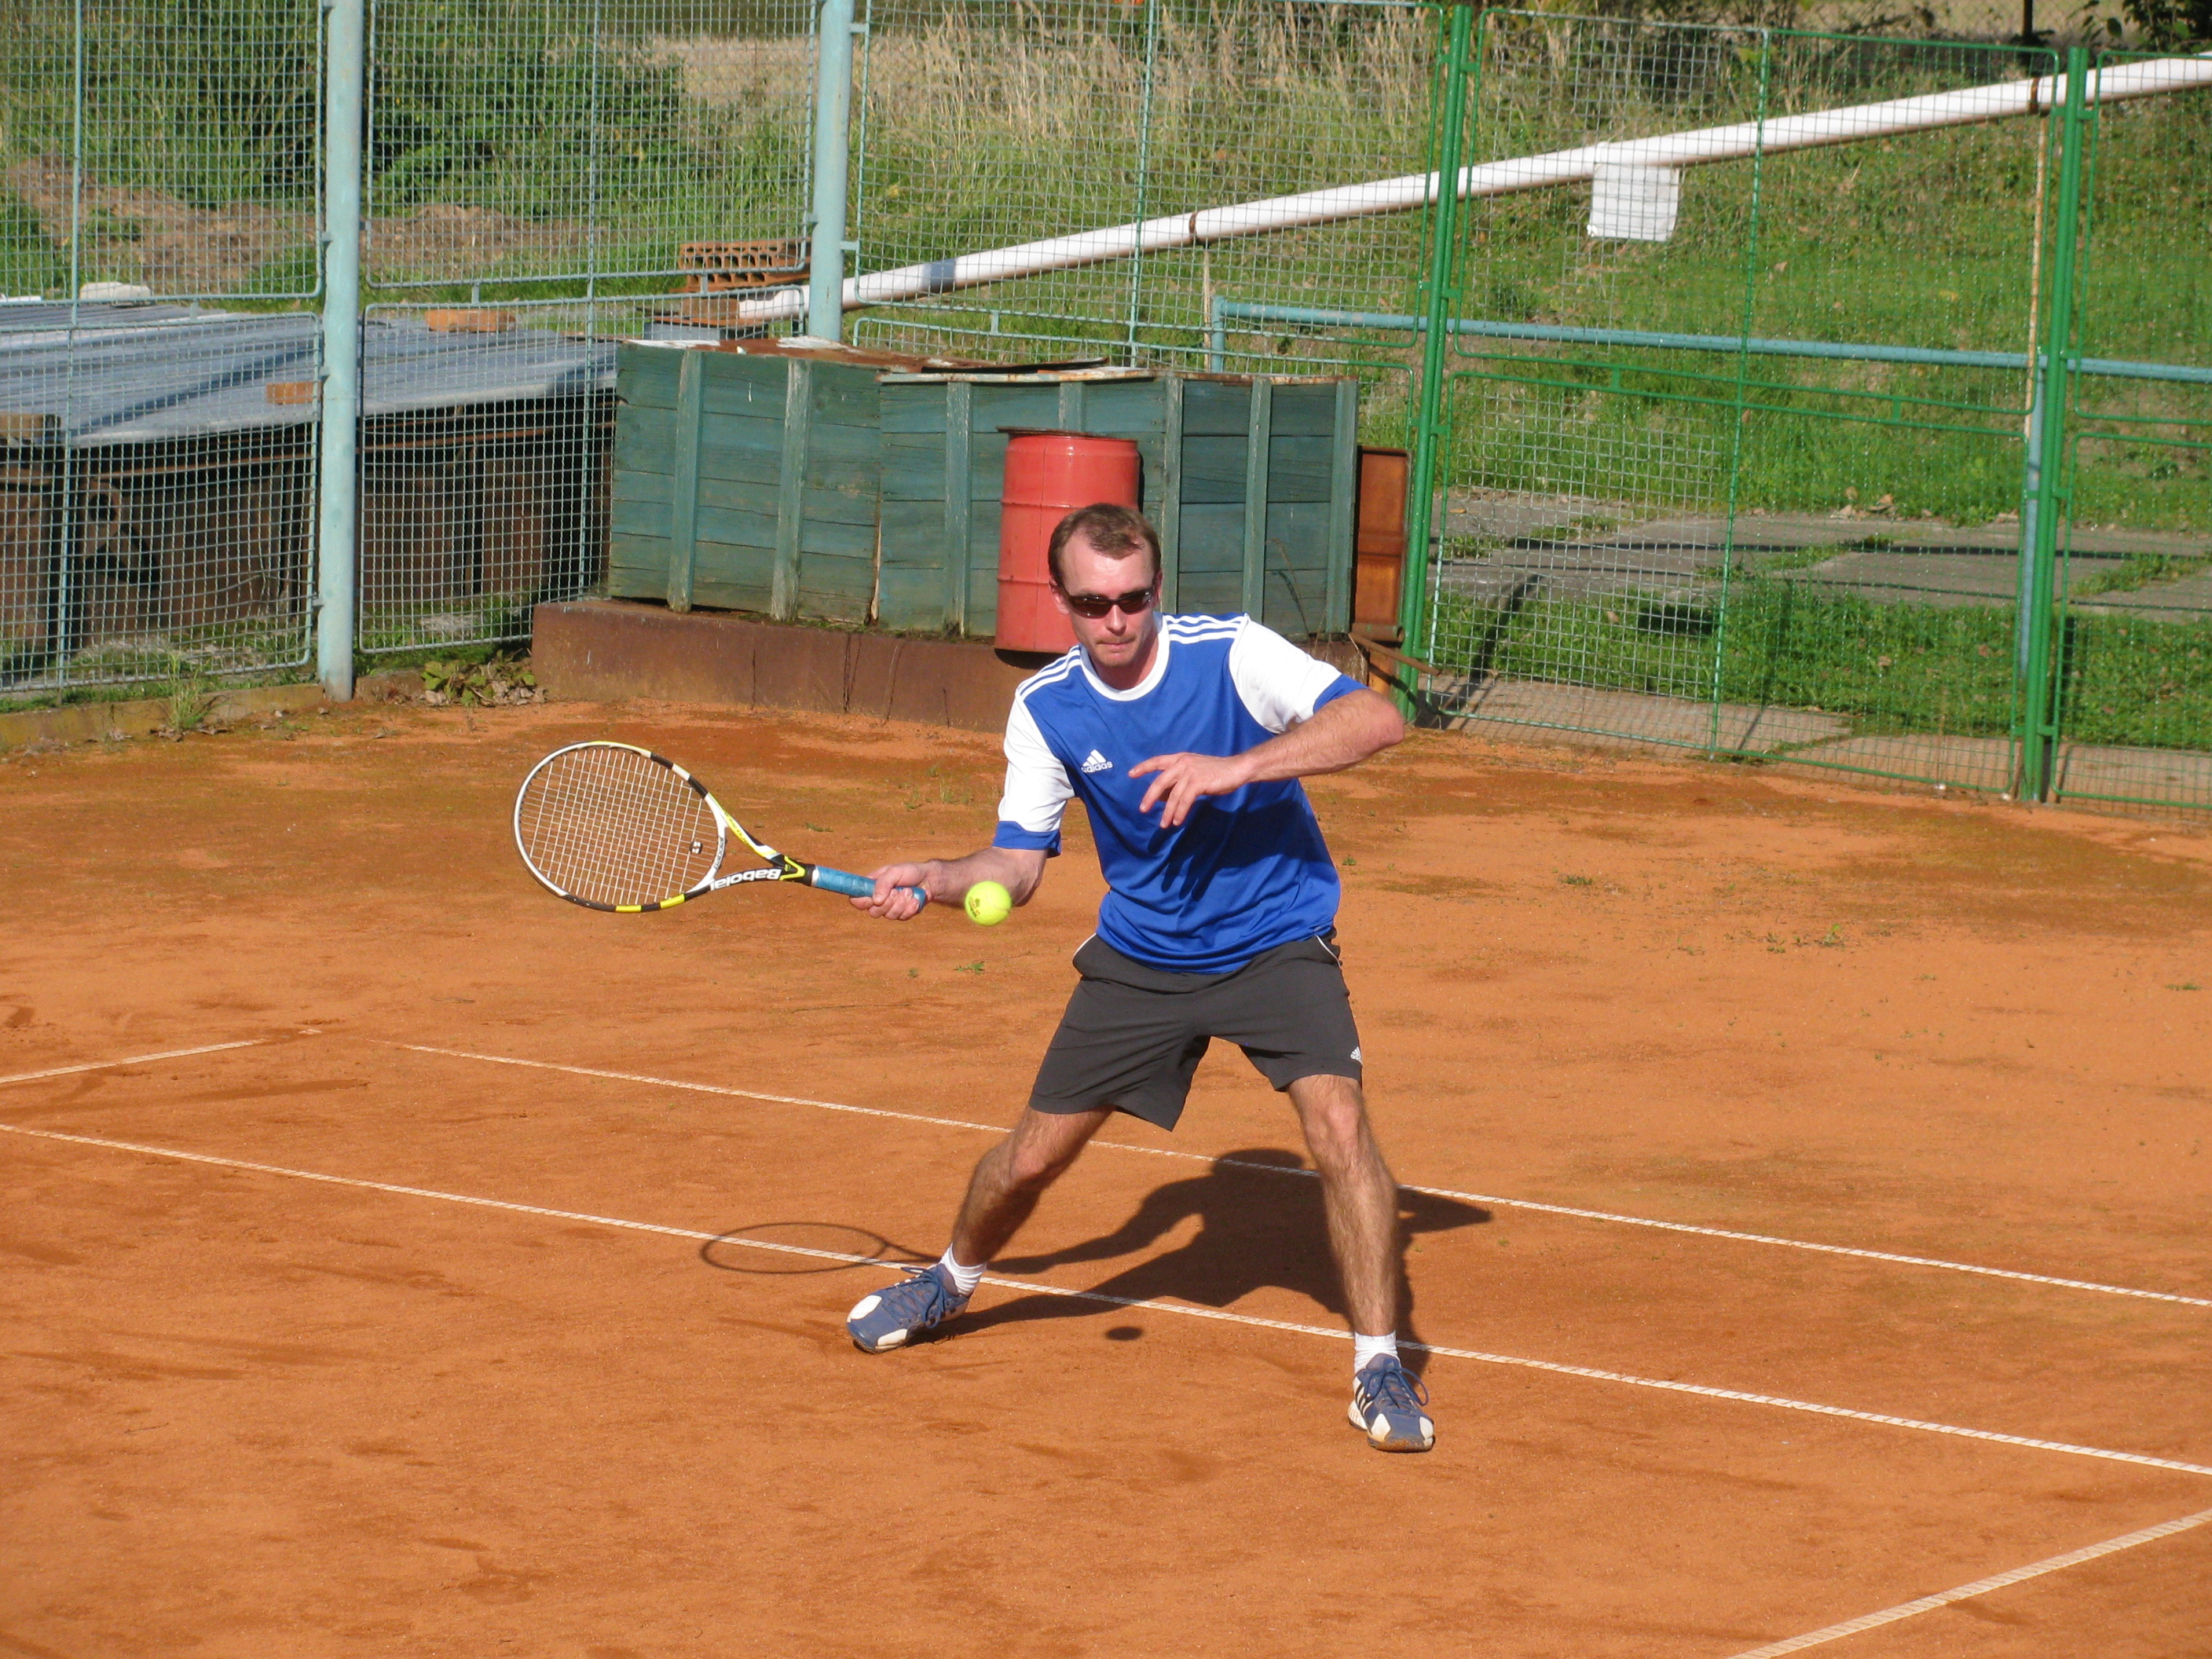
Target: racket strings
[(609, 825)]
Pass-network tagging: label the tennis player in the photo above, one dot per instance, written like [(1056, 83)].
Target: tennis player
[(1185, 737)]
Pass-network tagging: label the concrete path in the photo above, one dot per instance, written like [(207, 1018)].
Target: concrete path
[(1584, 714), (1529, 548), (2088, 774)]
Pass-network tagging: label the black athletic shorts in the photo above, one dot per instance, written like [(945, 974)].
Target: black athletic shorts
[(1133, 1035)]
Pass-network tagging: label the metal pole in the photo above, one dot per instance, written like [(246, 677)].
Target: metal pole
[(335, 481), (1143, 167), (1413, 594), (63, 635), (1696, 148), (2033, 664), (1739, 412), (833, 116)]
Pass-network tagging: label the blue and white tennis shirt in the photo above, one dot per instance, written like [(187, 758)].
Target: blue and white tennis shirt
[(1245, 872)]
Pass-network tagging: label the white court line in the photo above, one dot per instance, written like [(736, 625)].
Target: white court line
[(1037, 1287), (134, 1060), (1979, 1587), (1432, 1192)]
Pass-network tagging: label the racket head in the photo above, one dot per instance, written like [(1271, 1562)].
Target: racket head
[(613, 827)]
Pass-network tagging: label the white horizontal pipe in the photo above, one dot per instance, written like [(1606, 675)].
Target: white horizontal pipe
[(1966, 107)]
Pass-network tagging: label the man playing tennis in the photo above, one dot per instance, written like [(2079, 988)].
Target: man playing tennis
[(1185, 737)]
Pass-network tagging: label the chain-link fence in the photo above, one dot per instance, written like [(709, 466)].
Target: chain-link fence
[(539, 180), (1740, 448), (159, 171), (543, 180), (2133, 666), (1801, 396), (989, 125)]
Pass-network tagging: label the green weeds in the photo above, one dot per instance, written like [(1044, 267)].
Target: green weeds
[(1886, 667)]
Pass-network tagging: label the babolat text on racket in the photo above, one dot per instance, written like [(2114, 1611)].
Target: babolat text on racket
[(614, 827)]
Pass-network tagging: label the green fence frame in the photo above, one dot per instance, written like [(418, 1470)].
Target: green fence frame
[(2062, 379)]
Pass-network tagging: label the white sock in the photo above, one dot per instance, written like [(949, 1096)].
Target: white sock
[(965, 1279), (1364, 1348)]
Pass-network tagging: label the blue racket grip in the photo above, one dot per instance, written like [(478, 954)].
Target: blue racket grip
[(853, 886)]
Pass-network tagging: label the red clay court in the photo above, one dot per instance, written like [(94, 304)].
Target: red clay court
[(1805, 1213)]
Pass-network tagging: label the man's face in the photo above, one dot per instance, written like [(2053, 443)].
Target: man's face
[(1119, 637)]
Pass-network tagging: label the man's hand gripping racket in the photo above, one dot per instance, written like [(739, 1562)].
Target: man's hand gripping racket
[(613, 827)]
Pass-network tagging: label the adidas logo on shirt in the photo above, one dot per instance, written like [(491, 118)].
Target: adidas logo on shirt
[(1095, 761)]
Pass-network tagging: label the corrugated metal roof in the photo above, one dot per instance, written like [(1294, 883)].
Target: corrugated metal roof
[(140, 373)]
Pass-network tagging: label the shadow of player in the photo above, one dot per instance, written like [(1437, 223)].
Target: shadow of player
[(1260, 1226)]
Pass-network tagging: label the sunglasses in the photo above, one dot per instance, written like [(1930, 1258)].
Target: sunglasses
[(1134, 603)]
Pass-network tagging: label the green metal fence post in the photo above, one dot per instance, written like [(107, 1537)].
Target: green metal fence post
[(833, 119), (337, 477), (1436, 312), (1741, 411), (1144, 169), (2034, 698)]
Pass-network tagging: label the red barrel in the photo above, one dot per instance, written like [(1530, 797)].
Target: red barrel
[(1048, 476)]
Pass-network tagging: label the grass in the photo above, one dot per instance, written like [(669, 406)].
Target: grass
[(2139, 570), (192, 693), (30, 261), (1924, 241), (1889, 668), (393, 633), (183, 687)]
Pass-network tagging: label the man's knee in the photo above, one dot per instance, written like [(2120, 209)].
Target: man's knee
[(1043, 1144), (1032, 1168), (1333, 1113)]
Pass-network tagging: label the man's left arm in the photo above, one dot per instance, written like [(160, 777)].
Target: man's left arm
[(1340, 733)]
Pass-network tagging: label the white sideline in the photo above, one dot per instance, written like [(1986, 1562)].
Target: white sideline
[(1432, 1192), (1037, 1287), (1979, 1587), (133, 1060)]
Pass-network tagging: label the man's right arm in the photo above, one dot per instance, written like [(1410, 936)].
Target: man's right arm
[(1037, 792), (1016, 869)]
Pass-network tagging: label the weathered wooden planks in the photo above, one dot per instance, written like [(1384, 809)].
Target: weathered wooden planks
[(807, 487)]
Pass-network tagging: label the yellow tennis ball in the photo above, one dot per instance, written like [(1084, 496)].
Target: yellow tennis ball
[(989, 904)]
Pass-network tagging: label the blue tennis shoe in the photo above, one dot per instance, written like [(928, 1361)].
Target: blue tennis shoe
[(1386, 1403), (887, 1319)]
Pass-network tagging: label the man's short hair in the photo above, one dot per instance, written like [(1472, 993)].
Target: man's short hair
[(1116, 531)]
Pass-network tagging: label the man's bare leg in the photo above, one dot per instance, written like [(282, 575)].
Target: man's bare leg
[(1360, 1197), (1009, 1179), (1358, 1194), (1012, 1177)]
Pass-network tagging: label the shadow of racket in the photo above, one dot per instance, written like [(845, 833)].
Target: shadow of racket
[(784, 1248)]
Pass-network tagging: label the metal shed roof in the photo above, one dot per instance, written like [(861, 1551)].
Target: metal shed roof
[(141, 374)]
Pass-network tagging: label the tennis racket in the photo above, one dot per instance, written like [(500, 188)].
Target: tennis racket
[(612, 827)]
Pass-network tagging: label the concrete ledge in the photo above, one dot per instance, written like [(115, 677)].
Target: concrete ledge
[(88, 722), (610, 649)]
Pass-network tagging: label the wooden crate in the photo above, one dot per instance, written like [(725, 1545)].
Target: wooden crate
[(746, 483), (805, 487)]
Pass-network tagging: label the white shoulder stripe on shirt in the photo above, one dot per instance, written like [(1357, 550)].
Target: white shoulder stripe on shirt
[(1184, 630), (1050, 675)]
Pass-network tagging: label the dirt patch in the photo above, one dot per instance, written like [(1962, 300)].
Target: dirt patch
[(147, 236), (1761, 1005), (448, 240), (151, 237)]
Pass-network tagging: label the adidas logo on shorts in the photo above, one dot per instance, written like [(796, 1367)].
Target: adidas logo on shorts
[(1095, 761)]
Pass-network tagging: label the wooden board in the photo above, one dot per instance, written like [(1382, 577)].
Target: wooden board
[(817, 490)]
